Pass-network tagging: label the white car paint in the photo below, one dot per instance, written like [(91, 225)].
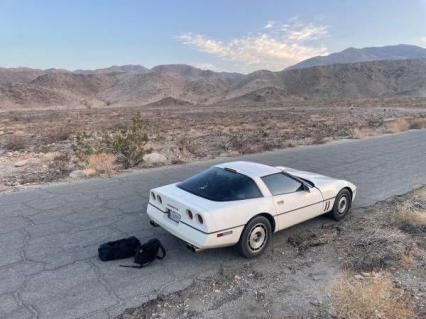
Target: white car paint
[(223, 222)]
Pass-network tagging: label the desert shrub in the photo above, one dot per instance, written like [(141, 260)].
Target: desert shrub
[(380, 249), (125, 142), (15, 143), (235, 142), (58, 168), (84, 144), (102, 163), (371, 297), (242, 142), (185, 144)]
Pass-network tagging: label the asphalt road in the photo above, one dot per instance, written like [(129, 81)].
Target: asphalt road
[(49, 235)]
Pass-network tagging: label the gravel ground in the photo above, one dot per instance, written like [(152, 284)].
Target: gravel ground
[(295, 280)]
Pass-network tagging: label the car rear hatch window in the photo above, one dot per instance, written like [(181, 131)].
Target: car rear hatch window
[(218, 184)]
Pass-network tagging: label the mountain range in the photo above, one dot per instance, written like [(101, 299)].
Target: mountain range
[(353, 73), (352, 55)]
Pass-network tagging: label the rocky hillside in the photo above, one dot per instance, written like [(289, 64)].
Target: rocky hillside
[(185, 84), (353, 55), (358, 80), (346, 81)]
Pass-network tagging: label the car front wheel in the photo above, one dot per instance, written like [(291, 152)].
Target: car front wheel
[(255, 237), (342, 205)]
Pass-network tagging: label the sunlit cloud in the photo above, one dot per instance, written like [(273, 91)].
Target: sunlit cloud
[(269, 24), (274, 48), (308, 32)]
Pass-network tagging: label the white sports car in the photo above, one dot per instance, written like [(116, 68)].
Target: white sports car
[(244, 203)]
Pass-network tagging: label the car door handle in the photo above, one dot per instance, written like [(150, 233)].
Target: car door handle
[(280, 202)]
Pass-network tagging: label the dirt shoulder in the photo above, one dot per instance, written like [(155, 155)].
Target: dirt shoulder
[(371, 265), (39, 146)]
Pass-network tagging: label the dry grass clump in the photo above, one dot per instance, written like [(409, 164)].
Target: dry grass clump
[(404, 124), (102, 163), (318, 139), (389, 126), (371, 297), (397, 125), (382, 248), (362, 132), (417, 123), (410, 216), (420, 194)]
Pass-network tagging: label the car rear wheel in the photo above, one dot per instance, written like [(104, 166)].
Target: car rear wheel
[(342, 205), (255, 237)]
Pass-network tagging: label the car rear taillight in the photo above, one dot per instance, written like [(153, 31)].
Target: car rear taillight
[(189, 213), (200, 218), (159, 199)]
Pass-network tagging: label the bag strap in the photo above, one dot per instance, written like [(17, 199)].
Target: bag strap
[(163, 251), (131, 266)]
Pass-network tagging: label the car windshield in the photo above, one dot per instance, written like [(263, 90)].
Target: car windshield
[(221, 185)]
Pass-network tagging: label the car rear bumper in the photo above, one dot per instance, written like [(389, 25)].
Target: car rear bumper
[(199, 240)]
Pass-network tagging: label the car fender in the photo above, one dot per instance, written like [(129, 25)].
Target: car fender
[(238, 213)]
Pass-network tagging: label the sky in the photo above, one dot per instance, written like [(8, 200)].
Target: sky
[(222, 35)]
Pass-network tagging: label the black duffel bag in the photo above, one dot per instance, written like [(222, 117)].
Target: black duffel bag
[(147, 253), (119, 249)]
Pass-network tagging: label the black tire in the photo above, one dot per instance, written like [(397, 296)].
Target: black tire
[(258, 228), (342, 205)]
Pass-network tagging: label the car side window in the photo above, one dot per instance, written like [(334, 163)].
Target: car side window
[(281, 184)]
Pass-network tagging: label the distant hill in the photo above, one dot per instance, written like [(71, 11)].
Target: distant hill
[(183, 85), (23, 75), (130, 68), (352, 55)]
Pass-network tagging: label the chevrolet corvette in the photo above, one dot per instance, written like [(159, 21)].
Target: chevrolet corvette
[(244, 203)]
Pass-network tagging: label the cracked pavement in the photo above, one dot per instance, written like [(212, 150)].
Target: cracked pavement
[(49, 235)]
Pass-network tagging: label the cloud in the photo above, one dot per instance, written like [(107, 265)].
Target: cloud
[(274, 48), (309, 32), (269, 24)]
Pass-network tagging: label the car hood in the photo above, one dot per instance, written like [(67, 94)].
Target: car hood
[(328, 186), (317, 179)]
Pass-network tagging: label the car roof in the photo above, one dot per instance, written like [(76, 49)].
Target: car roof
[(250, 169)]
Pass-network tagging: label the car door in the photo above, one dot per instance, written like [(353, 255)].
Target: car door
[(294, 202)]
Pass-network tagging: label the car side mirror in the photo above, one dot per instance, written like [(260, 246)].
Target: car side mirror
[(306, 188)]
